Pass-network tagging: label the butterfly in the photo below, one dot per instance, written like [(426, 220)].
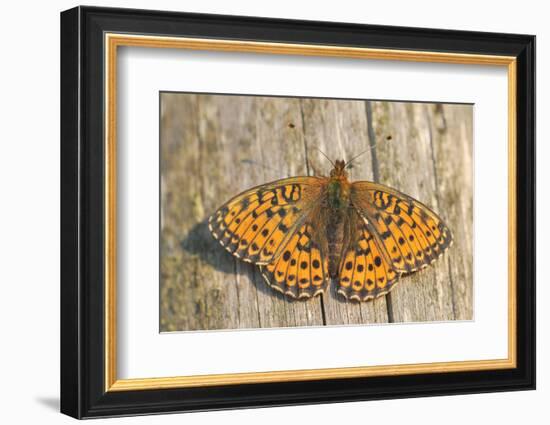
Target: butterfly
[(304, 232)]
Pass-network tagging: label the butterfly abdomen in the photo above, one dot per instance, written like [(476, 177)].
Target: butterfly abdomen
[(338, 203), (335, 237)]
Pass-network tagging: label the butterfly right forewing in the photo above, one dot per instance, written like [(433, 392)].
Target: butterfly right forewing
[(412, 235)]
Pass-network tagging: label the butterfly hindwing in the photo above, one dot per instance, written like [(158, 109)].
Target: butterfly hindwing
[(301, 269), (365, 272), (411, 234), (256, 225)]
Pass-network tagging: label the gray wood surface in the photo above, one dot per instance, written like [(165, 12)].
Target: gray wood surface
[(214, 147)]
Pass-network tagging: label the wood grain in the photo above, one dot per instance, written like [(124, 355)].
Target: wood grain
[(213, 147)]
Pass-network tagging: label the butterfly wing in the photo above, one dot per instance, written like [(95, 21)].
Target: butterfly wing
[(411, 236), (257, 224), (365, 273), (301, 271)]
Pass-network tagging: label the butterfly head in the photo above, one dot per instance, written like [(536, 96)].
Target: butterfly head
[(339, 170)]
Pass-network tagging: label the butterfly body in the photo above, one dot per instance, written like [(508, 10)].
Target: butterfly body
[(337, 203), (304, 231)]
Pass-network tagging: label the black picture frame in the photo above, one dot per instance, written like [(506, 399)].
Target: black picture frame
[(83, 392)]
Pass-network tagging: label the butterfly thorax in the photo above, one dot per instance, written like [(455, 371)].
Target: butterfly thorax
[(338, 190), (338, 201), (338, 194)]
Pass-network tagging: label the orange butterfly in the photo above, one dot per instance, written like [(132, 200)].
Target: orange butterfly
[(302, 231)]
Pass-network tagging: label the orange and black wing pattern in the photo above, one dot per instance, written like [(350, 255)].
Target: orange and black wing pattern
[(410, 234), (301, 269), (256, 225), (365, 272)]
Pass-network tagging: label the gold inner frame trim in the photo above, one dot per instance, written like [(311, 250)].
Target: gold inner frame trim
[(113, 41)]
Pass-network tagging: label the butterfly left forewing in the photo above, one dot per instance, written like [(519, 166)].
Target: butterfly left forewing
[(256, 225), (412, 235)]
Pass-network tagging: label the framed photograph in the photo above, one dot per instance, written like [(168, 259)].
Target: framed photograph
[(261, 212)]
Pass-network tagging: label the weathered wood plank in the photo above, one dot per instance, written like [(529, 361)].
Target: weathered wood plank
[(194, 276), (279, 144), (452, 130), (408, 163), (204, 154), (339, 129), (213, 147)]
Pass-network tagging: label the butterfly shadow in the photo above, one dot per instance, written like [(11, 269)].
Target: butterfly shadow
[(199, 242)]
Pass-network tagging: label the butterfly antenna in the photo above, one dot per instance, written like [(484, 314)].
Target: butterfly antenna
[(364, 152), (325, 155), (358, 155)]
